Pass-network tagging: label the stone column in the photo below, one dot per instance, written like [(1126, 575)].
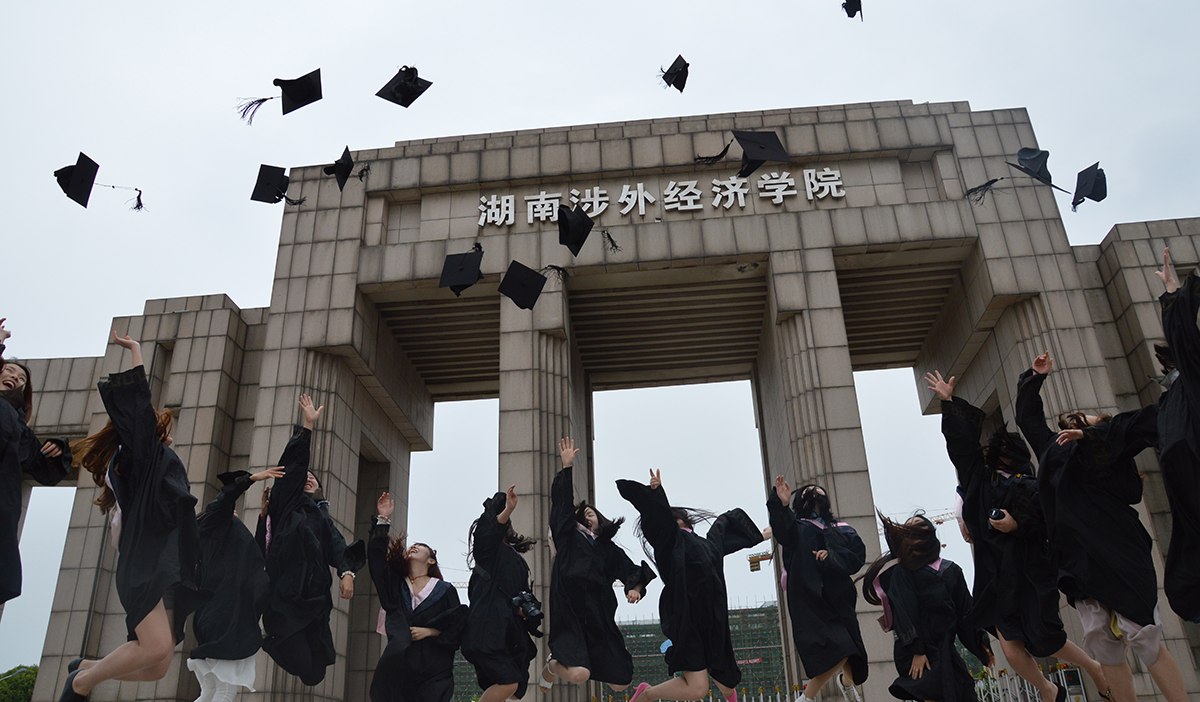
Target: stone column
[(808, 414), (542, 399)]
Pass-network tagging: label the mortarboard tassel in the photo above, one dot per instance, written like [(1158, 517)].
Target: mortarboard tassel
[(294, 203), (558, 272), (249, 107), (978, 193), (138, 206), (477, 248), (609, 242), (364, 172), (712, 160)]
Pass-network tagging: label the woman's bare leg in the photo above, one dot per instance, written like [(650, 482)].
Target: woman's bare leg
[(690, 686), (1120, 680), (815, 684), (498, 693), (619, 688), (576, 674), (155, 643), (1167, 676), (1076, 655), (1023, 664)]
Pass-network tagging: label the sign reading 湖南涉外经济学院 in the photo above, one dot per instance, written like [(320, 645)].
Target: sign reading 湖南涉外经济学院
[(681, 196)]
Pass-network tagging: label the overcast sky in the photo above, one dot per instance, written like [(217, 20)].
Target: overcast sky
[(148, 89)]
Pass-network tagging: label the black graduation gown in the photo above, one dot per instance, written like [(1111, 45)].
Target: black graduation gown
[(496, 641), (413, 671), (305, 544), (1016, 591), (20, 453), (693, 607), (820, 594), (583, 607), (233, 570), (1179, 448), (928, 608), (1087, 490), (160, 542)]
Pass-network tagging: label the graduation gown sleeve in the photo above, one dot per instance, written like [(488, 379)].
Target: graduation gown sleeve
[(1031, 415)]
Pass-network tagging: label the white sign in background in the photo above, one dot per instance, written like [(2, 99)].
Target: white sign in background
[(682, 196)]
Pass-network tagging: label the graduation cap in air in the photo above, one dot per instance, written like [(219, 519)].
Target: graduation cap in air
[(522, 285), (757, 149), (404, 87), (296, 93), (573, 227), (1090, 184), (1032, 162), (676, 75), (341, 168), (77, 181), (461, 271), (852, 8), (230, 477), (272, 186)]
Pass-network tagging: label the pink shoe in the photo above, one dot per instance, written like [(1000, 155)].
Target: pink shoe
[(640, 689), (733, 698)]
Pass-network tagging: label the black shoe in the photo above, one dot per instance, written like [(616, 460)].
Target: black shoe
[(74, 665), (1062, 693), (68, 693)]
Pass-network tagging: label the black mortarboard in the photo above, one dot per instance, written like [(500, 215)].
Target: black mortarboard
[(852, 7), (676, 75), (757, 149), (271, 186), (522, 285), (461, 271), (1032, 162), (1090, 184), (341, 168), (573, 227), (230, 477), (77, 181), (404, 87), (302, 91)]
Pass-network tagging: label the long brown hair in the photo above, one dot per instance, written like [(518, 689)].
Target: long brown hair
[(1077, 420), (912, 545), (397, 557), (95, 452)]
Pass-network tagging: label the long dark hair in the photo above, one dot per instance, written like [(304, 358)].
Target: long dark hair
[(95, 452), (1077, 420), (26, 390), (1004, 444), (690, 516), (807, 502), (519, 543), (912, 545), (1166, 358), (397, 557), (604, 525)]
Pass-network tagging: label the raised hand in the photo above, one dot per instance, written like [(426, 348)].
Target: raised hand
[(1166, 275), (944, 389), (566, 448), (385, 506), (655, 478), (135, 349), (311, 413), (1042, 364), (783, 490), (4, 333), (510, 504), (1068, 435), (633, 596), (276, 472)]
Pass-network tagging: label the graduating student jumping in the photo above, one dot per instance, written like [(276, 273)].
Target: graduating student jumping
[(1088, 485), (302, 543), (1016, 588), (925, 601), (1179, 437), (233, 571), (820, 556), (20, 453), (693, 607), (145, 489), (504, 614), (585, 642), (423, 618)]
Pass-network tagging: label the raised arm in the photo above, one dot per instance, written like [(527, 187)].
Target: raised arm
[(126, 398), (288, 491), (962, 424), (562, 494), (492, 525), (1179, 309), (734, 531), (1031, 415), (222, 507), (377, 550), (782, 519), (658, 524)]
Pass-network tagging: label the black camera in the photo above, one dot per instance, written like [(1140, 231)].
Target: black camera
[(996, 514), (530, 609)]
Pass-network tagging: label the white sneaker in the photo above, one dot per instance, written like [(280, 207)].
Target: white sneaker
[(850, 693)]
